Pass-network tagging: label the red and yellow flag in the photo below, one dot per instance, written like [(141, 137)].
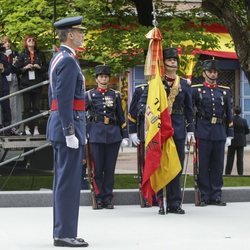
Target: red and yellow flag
[(162, 163)]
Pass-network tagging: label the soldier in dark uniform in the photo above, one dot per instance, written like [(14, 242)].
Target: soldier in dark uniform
[(134, 119), (66, 131), (214, 128), (136, 131), (180, 106), (241, 129), (107, 130)]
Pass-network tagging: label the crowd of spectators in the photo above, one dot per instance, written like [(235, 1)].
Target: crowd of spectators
[(19, 71)]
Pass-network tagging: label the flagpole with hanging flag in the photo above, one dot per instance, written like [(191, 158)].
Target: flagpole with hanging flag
[(162, 163)]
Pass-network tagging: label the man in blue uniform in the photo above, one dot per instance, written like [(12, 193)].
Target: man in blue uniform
[(180, 107), (106, 130), (66, 131), (214, 128), (134, 117)]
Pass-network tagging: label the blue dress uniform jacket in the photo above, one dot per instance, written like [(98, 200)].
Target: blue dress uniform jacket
[(66, 85), (65, 91), (213, 124), (106, 128), (182, 112), (133, 118), (214, 119), (105, 108), (182, 121)]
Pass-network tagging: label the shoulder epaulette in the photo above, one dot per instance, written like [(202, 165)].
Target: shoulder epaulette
[(197, 85), (183, 78), (187, 80), (116, 91), (89, 90), (141, 85), (224, 87)]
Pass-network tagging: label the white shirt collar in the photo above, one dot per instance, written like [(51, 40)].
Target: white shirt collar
[(72, 50)]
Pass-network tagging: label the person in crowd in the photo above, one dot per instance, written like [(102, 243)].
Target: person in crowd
[(32, 67), (12, 78), (214, 130), (5, 70), (66, 131), (107, 130), (238, 143), (179, 96)]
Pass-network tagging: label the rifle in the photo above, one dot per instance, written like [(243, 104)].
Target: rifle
[(185, 172), (197, 197), (90, 176), (140, 165)]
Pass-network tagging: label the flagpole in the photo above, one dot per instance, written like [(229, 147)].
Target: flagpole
[(154, 22)]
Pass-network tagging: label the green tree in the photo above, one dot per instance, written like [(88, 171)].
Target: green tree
[(21, 17), (113, 36), (235, 15)]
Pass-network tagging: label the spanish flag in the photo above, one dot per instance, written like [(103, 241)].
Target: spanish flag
[(162, 163)]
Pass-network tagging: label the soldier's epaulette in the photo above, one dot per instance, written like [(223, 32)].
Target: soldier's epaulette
[(183, 78), (224, 87), (186, 79), (116, 91), (89, 90), (197, 85), (141, 85)]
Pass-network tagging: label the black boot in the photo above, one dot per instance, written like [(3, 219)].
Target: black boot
[(161, 206), (161, 211)]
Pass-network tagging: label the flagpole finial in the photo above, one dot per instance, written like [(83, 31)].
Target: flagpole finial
[(154, 22)]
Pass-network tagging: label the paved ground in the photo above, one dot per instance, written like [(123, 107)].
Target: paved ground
[(127, 159), (133, 228)]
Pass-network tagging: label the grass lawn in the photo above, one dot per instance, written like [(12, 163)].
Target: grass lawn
[(122, 181)]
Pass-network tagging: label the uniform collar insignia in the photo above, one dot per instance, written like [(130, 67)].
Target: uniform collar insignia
[(211, 86), (102, 90)]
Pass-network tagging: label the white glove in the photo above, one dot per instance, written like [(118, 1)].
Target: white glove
[(189, 81), (72, 141), (228, 141), (125, 142), (190, 138), (135, 139)]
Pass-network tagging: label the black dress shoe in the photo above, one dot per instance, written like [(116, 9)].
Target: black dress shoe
[(176, 210), (203, 204), (70, 242), (108, 205), (217, 203), (99, 204), (161, 211)]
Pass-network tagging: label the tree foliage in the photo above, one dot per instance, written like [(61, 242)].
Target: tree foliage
[(113, 36), (235, 15)]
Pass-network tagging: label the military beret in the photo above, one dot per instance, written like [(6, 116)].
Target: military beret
[(102, 70), (210, 64), (70, 23), (170, 53)]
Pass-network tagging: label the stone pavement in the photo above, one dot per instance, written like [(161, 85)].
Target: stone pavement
[(133, 228), (127, 160)]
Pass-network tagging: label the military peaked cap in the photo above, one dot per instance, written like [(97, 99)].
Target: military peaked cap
[(210, 64), (70, 23), (170, 53), (102, 70)]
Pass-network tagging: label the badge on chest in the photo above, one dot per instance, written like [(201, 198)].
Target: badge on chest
[(109, 101)]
